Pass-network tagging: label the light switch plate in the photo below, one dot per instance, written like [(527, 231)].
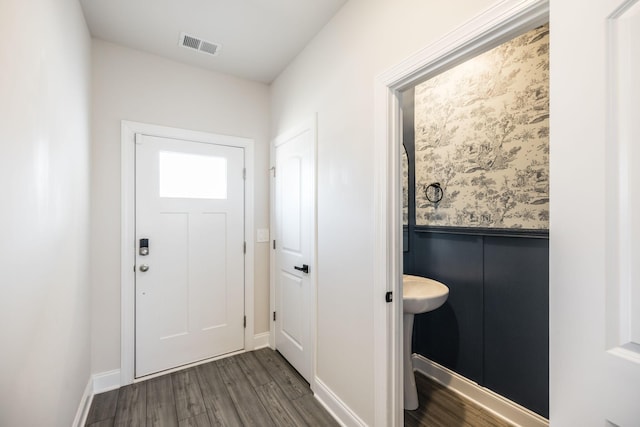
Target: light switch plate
[(262, 235)]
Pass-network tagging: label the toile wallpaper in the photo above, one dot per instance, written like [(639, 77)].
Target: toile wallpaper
[(482, 132)]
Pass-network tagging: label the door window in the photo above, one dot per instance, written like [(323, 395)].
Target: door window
[(192, 176)]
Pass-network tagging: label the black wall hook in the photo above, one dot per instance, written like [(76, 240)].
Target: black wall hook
[(434, 192)]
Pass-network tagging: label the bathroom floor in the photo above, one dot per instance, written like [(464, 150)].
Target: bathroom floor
[(257, 388), (440, 407)]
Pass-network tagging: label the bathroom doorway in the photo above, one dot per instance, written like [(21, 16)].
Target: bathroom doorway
[(485, 32), (476, 219)]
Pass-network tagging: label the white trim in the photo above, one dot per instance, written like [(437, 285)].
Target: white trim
[(336, 407), (312, 125), (481, 396), (272, 251), (249, 233), (387, 319), (127, 253), (261, 340), (106, 381), (84, 406), (127, 277), (500, 22)]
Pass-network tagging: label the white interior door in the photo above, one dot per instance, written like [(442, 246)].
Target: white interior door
[(595, 247), (622, 359), (294, 284), (190, 278)]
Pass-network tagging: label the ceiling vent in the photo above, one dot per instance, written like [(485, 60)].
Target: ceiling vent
[(194, 43)]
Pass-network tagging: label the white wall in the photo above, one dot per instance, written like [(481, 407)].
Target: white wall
[(334, 76), (44, 241), (136, 86)]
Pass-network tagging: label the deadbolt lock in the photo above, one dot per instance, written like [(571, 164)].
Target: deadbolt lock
[(144, 247)]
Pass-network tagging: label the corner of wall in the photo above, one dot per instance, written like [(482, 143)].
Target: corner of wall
[(85, 405)]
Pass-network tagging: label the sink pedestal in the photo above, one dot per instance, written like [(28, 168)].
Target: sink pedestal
[(419, 295), (410, 391)]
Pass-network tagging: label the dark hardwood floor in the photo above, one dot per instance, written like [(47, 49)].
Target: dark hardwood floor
[(257, 388), (441, 407)]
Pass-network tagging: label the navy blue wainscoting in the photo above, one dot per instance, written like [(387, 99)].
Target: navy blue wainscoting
[(494, 327), (451, 335), (516, 320)]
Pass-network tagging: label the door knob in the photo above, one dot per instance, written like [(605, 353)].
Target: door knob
[(144, 267), (304, 268)]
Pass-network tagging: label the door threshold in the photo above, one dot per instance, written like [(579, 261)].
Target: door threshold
[(187, 366)]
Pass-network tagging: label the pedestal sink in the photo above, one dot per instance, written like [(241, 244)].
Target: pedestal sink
[(419, 295)]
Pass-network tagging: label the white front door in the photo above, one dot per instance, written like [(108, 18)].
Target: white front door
[(294, 264), (189, 252), (595, 213)]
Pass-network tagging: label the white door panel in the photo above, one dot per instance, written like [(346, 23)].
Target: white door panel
[(294, 211), (595, 268), (625, 55), (622, 364), (190, 301), (291, 307)]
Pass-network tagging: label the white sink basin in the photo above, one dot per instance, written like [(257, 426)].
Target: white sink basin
[(420, 294)]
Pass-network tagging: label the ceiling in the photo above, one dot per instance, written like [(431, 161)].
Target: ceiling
[(258, 37)]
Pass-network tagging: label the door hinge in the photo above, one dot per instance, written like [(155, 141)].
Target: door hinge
[(273, 169), (245, 322), (274, 244), (244, 247), (274, 316), (388, 297), (244, 173)]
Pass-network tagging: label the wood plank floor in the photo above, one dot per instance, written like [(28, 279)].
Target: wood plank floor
[(257, 388), (441, 407)]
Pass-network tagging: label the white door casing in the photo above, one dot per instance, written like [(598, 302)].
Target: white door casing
[(501, 22), (294, 220), (128, 237), (190, 279)]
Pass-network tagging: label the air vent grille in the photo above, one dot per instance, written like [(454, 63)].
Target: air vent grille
[(209, 48), (194, 43)]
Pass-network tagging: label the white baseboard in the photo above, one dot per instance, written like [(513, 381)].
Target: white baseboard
[(106, 381), (85, 404), (97, 383), (261, 340), (487, 399), (335, 406)]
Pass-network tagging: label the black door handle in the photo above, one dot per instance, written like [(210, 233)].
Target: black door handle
[(304, 268)]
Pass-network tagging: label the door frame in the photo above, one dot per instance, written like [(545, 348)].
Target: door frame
[(312, 125), (127, 231), (499, 23)]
